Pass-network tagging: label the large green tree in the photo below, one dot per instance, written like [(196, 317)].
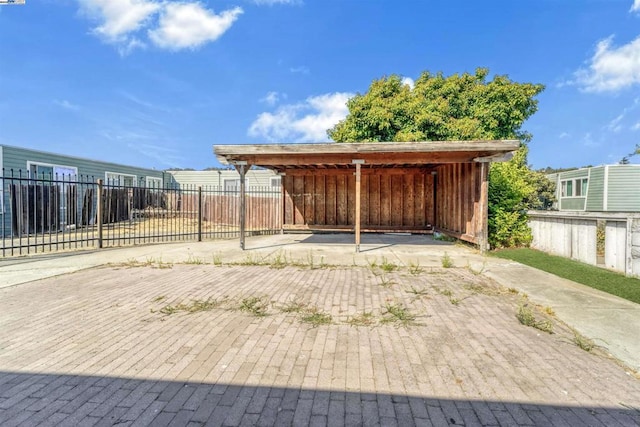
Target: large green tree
[(457, 107)]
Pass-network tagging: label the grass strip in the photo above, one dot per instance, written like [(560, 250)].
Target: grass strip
[(598, 278)]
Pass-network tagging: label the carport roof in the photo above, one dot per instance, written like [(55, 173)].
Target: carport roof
[(386, 154)]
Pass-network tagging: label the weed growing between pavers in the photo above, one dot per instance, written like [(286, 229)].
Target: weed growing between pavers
[(316, 317), (257, 306), (583, 342), (149, 262), (415, 269), (387, 266), (195, 306), (446, 261), (362, 319), (385, 282), (527, 317), (194, 260), (293, 307), (397, 314)]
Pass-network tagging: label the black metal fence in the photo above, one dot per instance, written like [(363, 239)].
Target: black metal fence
[(53, 213)]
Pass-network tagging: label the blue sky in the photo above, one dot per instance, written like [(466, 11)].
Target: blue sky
[(157, 83)]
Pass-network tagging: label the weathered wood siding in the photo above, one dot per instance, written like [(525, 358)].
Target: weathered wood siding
[(458, 200), (391, 199)]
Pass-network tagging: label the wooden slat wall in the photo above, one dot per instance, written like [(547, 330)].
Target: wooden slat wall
[(458, 200), (392, 199)]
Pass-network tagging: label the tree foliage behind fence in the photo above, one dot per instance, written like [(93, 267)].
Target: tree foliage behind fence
[(48, 214)]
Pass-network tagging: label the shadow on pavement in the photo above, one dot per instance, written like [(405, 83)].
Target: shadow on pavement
[(51, 399)]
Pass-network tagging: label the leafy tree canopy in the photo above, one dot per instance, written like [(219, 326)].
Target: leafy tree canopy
[(438, 108)]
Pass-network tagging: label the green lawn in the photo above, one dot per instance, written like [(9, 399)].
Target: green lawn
[(595, 277)]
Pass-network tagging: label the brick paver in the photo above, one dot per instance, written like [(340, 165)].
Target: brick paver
[(94, 348)]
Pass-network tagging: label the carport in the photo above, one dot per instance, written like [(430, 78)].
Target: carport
[(414, 187)]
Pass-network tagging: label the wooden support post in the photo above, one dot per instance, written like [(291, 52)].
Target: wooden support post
[(199, 214), (283, 203), (357, 216), (483, 238), (241, 168), (99, 209)]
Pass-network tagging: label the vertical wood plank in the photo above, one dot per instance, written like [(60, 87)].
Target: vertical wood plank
[(309, 208), (385, 200), (298, 200), (287, 182), (408, 211), (320, 197), (330, 202), (374, 200), (429, 199), (341, 202), (351, 198), (419, 212), (357, 206), (396, 199), (364, 199)]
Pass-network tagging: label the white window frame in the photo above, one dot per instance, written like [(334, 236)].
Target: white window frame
[(575, 183), (153, 182), (225, 180), (118, 178), (54, 177), (276, 181), (31, 163)]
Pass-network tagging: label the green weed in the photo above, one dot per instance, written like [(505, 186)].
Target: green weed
[(363, 319), (446, 261), (255, 305), (397, 314)]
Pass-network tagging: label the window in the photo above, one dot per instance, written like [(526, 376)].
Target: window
[(575, 188), (232, 185), (153, 182), (61, 176), (113, 178), (50, 171), (276, 182), (581, 187)]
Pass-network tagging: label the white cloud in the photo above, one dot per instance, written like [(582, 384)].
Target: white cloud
[(66, 104), (614, 125), (588, 141), (272, 2), (169, 25), (119, 18), (272, 98), (611, 68), (190, 25), (301, 69), (307, 121), (563, 135), (636, 126), (635, 7), (408, 81)]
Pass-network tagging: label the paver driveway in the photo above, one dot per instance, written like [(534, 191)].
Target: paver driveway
[(118, 346)]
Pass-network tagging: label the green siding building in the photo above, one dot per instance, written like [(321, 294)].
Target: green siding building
[(16, 162), (610, 188)]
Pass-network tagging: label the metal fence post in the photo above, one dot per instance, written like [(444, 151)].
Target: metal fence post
[(99, 209), (199, 214)]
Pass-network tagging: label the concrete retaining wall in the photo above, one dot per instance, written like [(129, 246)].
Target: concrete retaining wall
[(574, 235)]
